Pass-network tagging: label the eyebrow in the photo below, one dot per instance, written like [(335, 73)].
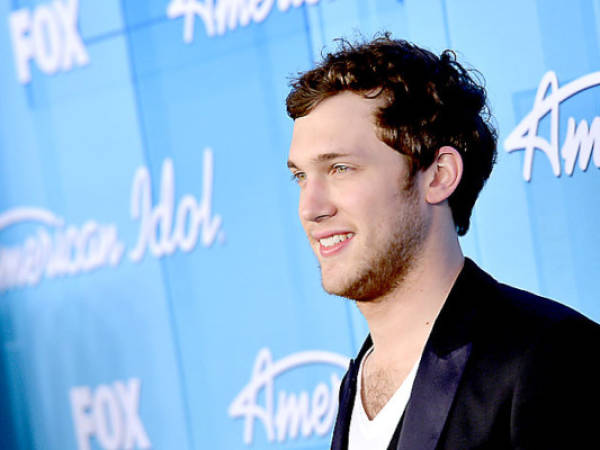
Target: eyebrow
[(320, 158)]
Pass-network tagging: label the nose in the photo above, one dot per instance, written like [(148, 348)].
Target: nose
[(315, 203)]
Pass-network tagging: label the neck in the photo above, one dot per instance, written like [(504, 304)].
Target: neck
[(400, 321)]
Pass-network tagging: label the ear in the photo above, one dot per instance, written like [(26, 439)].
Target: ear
[(443, 175)]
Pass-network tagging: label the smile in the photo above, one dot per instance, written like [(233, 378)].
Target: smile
[(336, 238), (334, 243)]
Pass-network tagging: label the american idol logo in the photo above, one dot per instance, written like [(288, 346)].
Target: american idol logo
[(220, 16), (581, 142), (285, 414), (57, 249)]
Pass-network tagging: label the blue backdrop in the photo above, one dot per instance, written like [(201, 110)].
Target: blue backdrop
[(156, 287)]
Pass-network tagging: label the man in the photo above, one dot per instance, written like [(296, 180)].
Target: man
[(391, 146)]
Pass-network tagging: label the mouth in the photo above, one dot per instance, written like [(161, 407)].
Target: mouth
[(334, 243)]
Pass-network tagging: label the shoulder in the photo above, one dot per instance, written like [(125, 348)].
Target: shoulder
[(534, 362), (535, 311), (521, 312), (551, 335), (515, 333), (554, 368)]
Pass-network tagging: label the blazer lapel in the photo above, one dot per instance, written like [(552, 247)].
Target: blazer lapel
[(339, 440), (442, 364), (432, 394), (440, 370), (431, 397)]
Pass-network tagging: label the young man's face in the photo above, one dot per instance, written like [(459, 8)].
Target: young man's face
[(364, 220)]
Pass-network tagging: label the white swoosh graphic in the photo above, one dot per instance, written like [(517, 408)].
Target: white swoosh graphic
[(25, 214)]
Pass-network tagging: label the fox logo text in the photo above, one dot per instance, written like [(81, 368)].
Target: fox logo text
[(110, 414), (49, 36), (293, 413)]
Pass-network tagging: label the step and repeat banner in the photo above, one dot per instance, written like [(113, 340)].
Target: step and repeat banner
[(156, 289)]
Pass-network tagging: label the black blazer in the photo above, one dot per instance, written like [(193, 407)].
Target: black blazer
[(502, 369)]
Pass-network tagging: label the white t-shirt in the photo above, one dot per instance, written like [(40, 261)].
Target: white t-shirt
[(376, 434)]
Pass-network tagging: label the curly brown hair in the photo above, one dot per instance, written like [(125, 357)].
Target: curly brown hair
[(430, 102)]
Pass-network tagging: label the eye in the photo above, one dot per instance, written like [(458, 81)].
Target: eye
[(298, 177), (340, 168)]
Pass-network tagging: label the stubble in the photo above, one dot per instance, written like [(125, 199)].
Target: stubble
[(386, 269)]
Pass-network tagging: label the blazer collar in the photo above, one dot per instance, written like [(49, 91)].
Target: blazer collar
[(339, 439), (440, 370), (443, 361)]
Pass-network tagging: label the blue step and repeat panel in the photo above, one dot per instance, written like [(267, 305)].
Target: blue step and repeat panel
[(156, 287)]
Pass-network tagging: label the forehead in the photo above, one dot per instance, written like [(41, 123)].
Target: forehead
[(344, 123)]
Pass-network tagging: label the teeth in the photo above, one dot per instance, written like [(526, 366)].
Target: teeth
[(336, 238)]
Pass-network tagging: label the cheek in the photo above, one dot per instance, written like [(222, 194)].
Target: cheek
[(305, 228)]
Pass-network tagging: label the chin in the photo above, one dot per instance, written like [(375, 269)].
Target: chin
[(329, 286), (337, 286), (332, 284)]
